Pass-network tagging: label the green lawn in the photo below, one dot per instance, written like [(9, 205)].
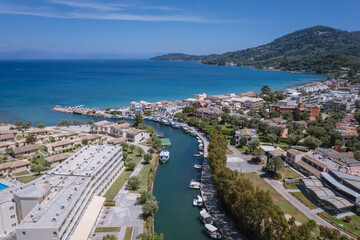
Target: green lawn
[(277, 198), (28, 178), (290, 186), (144, 173), (302, 198), (128, 233), (21, 173), (226, 129), (107, 229), (120, 181), (42, 149), (289, 173), (349, 227)]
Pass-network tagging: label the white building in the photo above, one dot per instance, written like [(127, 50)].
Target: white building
[(8, 218), (60, 198), (136, 107)]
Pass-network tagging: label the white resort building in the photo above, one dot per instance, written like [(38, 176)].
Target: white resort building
[(52, 206)]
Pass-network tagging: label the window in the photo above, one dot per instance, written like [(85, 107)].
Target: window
[(11, 208), (23, 233), (13, 225), (12, 217)]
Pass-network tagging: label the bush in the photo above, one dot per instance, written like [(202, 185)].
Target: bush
[(110, 203)]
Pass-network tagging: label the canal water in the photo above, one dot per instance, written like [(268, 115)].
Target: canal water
[(177, 218)]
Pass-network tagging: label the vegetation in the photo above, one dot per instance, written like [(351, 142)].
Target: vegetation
[(146, 236), (128, 233), (107, 229), (30, 139), (302, 198), (41, 125), (133, 183), (138, 120), (317, 49), (27, 179), (64, 122), (109, 237)]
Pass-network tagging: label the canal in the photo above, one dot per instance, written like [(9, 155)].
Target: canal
[(177, 219)]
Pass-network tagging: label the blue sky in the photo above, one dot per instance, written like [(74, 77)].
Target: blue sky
[(148, 26)]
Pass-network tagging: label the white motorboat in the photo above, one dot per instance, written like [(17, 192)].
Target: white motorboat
[(197, 166), (194, 184), (164, 156)]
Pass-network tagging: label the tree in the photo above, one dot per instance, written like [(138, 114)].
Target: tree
[(18, 123), (28, 124), (130, 164), (312, 142), (36, 168), (109, 237), (41, 125), (304, 115), (150, 208), (64, 122), (147, 157), (272, 138), (151, 150), (30, 139), (140, 151), (256, 159), (138, 120), (133, 183), (147, 236), (85, 141), (276, 164), (265, 89), (225, 109), (145, 196), (293, 139), (90, 121), (259, 152), (132, 147), (243, 141), (253, 145), (107, 110)]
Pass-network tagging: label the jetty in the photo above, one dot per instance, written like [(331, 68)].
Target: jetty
[(165, 142)]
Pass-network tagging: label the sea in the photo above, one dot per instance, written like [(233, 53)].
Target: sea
[(29, 89)]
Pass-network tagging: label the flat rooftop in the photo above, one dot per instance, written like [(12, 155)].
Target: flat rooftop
[(68, 183)]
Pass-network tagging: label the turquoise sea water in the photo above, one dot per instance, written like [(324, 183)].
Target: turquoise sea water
[(29, 89), (3, 186)]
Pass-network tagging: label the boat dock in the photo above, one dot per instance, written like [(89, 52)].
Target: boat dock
[(165, 142)]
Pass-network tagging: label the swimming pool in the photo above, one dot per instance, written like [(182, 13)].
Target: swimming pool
[(3, 186)]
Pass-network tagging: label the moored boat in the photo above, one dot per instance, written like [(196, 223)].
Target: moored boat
[(194, 184), (205, 217), (197, 166), (212, 231), (164, 156)]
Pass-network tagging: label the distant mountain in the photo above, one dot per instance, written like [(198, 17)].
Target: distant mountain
[(317, 49)]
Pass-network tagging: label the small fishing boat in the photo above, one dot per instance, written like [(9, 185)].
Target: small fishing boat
[(197, 166), (198, 201), (194, 184), (197, 155), (212, 231), (164, 156), (205, 217)]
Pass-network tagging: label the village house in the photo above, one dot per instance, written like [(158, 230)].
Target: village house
[(254, 103), (208, 112), (136, 107), (296, 110), (249, 134), (57, 159), (59, 145), (119, 130), (7, 138), (6, 145), (25, 150), (65, 135), (116, 141), (13, 132), (293, 156), (36, 131), (310, 166), (15, 166), (137, 135), (102, 127)]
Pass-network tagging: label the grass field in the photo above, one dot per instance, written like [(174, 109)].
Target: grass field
[(21, 173), (277, 198), (289, 173), (302, 198), (42, 149), (128, 233), (28, 178), (347, 226), (144, 173), (290, 186), (107, 229)]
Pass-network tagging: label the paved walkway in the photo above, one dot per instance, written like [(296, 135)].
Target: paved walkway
[(212, 202)]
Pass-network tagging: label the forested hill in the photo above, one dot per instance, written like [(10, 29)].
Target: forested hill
[(317, 49)]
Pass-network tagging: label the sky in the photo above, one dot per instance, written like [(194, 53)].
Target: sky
[(159, 26)]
